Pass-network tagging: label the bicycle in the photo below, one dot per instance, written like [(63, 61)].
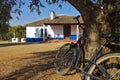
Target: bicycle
[(99, 67)]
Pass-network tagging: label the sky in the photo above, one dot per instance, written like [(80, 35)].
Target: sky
[(27, 16)]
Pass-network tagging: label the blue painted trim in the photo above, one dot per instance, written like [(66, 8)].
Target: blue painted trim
[(60, 38), (34, 39), (73, 37)]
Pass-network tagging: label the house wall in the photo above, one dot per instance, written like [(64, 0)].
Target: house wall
[(73, 29), (57, 32), (33, 34), (50, 32), (73, 35)]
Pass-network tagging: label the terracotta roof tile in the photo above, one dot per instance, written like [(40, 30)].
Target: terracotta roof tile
[(56, 20)]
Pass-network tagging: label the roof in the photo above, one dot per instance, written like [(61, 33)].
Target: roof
[(59, 20), (38, 23)]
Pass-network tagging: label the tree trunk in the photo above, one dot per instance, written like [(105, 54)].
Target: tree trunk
[(92, 30), (91, 17), (97, 21)]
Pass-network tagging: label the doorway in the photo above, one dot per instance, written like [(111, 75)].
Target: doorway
[(67, 31)]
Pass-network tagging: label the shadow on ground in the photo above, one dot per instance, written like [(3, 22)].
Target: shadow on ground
[(16, 44), (39, 63)]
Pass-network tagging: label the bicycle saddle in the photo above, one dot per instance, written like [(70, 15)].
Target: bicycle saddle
[(113, 37)]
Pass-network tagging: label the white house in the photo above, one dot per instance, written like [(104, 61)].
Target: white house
[(55, 27)]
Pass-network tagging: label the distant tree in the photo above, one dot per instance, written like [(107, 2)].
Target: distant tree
[(3, 31), (5, 16), (19, 31)]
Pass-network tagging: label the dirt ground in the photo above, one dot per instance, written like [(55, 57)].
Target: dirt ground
[(30, 61)]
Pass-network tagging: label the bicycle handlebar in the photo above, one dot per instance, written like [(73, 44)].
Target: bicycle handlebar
[(76, 17)]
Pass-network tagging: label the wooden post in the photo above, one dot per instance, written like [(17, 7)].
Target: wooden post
[(77, 32), (43, 32), (14, 34)]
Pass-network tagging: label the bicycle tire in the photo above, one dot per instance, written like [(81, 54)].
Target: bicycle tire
[(64, 59), (110, 62)]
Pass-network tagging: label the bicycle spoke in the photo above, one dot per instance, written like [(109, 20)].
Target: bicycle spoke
[(116, 76), (107, 67), (64, 59), (103, 70)]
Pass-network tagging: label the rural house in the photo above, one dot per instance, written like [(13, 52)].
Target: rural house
[(59, 27)]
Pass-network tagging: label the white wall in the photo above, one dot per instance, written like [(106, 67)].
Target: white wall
[(73, 30), (33, 32), (53, 31), (57, 29), (50, 31), (30, 32)]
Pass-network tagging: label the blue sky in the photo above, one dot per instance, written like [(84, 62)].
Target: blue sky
[(27, 16)]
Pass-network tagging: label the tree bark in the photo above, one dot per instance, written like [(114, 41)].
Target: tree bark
[(96, 20), (89, 14)]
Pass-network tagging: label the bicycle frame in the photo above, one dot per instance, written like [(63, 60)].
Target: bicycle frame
[(92, 59), (95, 55)]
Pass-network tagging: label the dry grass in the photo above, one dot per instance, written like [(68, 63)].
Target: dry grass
[(30, 61)]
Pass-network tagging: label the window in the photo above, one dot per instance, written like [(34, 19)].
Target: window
[(42, 32)]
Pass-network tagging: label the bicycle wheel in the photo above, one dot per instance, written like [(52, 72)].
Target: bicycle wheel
[(64, 59), (107, 67)]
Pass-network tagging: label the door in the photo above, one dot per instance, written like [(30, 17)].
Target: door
[(67, 31)]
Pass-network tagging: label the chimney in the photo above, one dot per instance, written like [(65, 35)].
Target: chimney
[(52, 15)]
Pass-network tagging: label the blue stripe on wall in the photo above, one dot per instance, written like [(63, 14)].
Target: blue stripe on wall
[(60, 38), (73, 37), (34, 39)]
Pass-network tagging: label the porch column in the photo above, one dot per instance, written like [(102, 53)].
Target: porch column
[(77, 32), (14, 34), (43, 32)]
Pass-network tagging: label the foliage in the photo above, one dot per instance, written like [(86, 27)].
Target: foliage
[(19, 32), (3, 31), (5, 16), (5, 8)]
